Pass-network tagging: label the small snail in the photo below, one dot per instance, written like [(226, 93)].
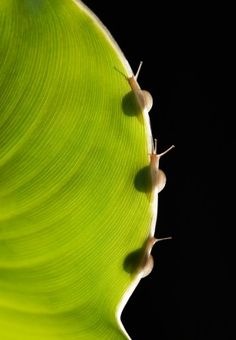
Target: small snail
[(148, 262), (143, 97), (158, 176)]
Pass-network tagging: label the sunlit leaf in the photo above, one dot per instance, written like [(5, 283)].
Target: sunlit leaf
[(75, 193)]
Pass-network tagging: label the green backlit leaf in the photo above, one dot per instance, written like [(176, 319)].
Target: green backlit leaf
[(75, 193)]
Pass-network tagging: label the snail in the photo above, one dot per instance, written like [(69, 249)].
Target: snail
[(143, 97), (158, 177), (147, 261)]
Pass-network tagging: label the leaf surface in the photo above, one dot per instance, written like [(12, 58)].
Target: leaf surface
[(75, 200)]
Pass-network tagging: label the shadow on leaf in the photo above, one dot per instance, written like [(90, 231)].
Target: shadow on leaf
[(131, 107), (142, 180)]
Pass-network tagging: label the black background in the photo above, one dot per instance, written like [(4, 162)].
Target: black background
[(188, 68)]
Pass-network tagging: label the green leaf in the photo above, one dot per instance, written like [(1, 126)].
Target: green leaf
[(76, 205)]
